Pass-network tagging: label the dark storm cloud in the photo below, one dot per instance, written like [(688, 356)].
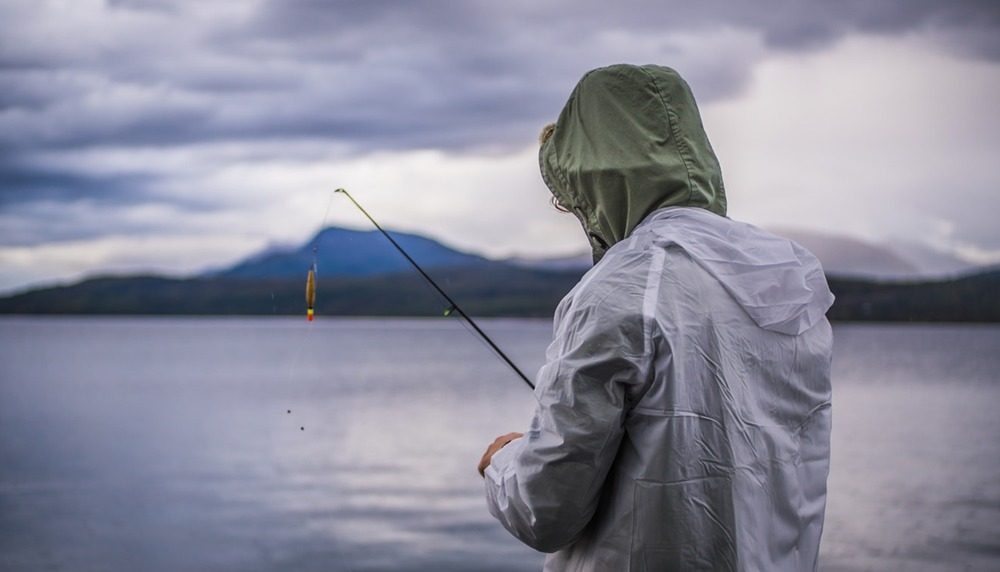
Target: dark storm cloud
[(370, 75), (23, 183), (784, 23)]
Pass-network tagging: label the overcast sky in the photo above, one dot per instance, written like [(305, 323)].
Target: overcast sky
[(179, 135)]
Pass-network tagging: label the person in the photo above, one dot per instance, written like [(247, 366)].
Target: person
[(684, 408)]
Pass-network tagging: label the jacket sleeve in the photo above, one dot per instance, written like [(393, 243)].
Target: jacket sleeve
[(544, 487)]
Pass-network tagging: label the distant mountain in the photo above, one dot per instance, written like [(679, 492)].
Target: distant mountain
[(362, 274), (930, 261), (840, 255), (895, 259), (845, 256), (345, 252), (502, 290)]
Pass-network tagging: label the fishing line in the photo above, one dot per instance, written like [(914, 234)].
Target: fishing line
[(311, 281), (453, 305)]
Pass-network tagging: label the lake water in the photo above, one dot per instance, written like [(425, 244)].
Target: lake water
[(166, 444)]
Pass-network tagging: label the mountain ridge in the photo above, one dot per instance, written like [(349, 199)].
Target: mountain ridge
[(847, 256), (342, 251), (362, 274)]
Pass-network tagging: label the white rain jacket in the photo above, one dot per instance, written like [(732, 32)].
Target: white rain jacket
[(683, 418)]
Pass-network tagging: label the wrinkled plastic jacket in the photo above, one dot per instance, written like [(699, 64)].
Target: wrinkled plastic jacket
[(683, 417)]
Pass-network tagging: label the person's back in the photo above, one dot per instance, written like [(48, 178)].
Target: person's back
[(684, 409), (724, 466)]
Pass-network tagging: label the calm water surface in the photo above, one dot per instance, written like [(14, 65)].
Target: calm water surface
[(166, 444)]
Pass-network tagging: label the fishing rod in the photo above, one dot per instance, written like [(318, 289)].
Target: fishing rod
[(454, 305)]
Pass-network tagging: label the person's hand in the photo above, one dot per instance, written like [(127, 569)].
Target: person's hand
[(495, 446)]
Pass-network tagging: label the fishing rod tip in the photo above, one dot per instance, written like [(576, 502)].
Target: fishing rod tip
[(340, 191)]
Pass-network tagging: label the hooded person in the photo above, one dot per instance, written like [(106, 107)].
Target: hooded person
[(683, 416)]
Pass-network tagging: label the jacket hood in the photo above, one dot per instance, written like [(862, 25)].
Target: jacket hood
[(629, 141), (778, 283)]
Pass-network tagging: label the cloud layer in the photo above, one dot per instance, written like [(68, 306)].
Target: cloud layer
[(179, 119)]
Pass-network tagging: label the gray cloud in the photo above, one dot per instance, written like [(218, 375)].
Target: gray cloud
[(23, 183), (370, 76), (380, 74)]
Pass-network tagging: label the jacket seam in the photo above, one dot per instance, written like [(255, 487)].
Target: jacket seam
[(650, 295), (675, 413), (682, 148)]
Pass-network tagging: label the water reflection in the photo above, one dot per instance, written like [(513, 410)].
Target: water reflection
[(160, 444)]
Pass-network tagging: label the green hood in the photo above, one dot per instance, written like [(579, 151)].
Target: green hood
[(630, 141)]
